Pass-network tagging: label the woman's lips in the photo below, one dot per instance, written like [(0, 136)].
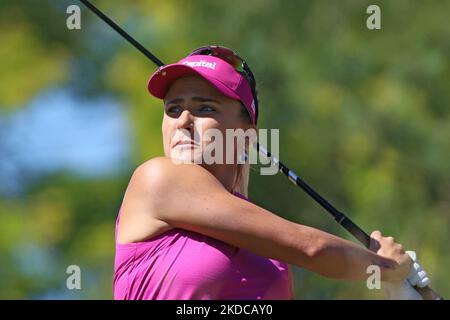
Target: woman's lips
[(186, 144)]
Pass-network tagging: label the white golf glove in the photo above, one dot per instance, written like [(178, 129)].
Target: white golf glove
[(404, 290), (417, 276)]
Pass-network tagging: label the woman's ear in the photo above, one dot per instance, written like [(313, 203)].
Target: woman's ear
[(248, 125), (253, 138)]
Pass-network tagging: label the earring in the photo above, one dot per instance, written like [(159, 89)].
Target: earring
[(243, 158)]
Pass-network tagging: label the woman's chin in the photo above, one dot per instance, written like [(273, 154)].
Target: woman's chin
[(186, 156)]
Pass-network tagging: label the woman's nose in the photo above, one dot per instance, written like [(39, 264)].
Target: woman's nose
[(185, 120)]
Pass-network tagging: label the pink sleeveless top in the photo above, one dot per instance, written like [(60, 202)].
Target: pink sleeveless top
[(184, 265)]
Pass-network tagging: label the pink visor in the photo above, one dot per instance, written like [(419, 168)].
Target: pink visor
[(216, 71)]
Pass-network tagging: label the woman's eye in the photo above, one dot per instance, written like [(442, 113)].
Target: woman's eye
[(174, 109), (207, 108)]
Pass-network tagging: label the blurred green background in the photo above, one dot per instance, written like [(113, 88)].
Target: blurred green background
[(363, 115)]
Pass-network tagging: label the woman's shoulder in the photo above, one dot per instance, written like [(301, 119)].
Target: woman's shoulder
[(165, 167), (162, 174), (155, 188), (137, 223), (152, 175), (156, 167)]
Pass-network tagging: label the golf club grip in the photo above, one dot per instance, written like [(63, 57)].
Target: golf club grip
[(428, 294), (356, 231)]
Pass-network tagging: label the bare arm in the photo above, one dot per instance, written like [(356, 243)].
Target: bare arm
[(189, 197)]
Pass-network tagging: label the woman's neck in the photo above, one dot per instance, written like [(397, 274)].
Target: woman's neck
[(225, 173)]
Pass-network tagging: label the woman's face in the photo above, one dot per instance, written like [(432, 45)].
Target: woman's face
[(192, 107)]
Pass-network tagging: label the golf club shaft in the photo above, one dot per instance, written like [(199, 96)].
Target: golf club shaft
[(341, 218), (122, 32)]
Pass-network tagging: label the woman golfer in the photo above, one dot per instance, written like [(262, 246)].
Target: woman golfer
[(186, 229)]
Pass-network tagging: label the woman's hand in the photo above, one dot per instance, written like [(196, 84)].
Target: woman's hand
[(388, 248)]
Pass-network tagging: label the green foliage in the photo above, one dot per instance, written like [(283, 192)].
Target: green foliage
[(363, 115)]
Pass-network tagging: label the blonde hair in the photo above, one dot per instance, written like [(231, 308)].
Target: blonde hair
[(242, 179)]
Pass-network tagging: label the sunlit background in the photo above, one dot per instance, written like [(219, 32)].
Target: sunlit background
[(364, 118)]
